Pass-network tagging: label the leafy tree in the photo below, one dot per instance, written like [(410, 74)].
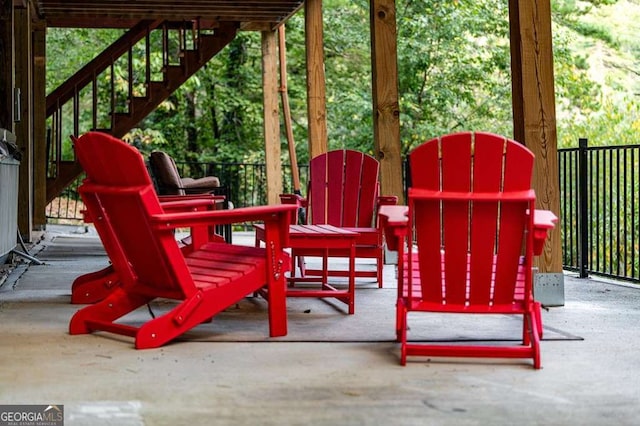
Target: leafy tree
[(69, 49), (454, 74), (603, 111), (453, 59), (348, 75)]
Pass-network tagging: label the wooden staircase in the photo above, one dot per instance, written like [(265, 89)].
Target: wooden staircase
[(113, 92)]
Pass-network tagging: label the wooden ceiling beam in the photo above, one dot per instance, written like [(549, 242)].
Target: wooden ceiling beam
[(260, 15)]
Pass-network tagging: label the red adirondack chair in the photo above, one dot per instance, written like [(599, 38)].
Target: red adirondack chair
[(137, 231), (343, 191), (472, 213), (95, 286)]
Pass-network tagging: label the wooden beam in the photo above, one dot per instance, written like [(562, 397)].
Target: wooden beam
[(386, 109), (517, 103), (24, 135), (316, 90), (7, 64), (534, 110), (39, 127), (271, 116)]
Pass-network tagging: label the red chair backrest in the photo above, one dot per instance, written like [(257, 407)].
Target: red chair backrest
[(120, 197), (343, 188), (469, 200)]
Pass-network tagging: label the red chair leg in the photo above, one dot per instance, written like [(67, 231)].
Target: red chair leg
[(403, 334), (535, 340), (116, 305), (94, 286)]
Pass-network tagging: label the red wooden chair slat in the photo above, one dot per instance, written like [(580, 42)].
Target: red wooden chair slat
[(319, 187), (471, 209), (487, 177), (138, 236), (335, 182), (351, 187)]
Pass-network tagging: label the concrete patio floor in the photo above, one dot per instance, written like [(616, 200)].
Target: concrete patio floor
[(102, 380)]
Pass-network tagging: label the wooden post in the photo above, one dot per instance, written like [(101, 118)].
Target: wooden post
[(271, 117), (316, 90), (386, 110), (24, 135), (534, 111), (286, 110), (39, 127), (517, 102), (7, 64)]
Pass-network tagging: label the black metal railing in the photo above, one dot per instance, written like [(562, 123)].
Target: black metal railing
[(67, 207), (245, 184), (599, 204), (600, 210)]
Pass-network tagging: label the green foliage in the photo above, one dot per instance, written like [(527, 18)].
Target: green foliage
[(595, 31), (576, 93), (217, 115), (454, 74), (602, 2), (615, 123), (571, 14), (588, 104), (68, 50), (348, 75), (453, 59), (146, 140)]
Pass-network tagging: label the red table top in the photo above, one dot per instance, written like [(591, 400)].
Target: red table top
[(300, 233)]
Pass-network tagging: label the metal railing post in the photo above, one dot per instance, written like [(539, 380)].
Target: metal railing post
[(583, 207)]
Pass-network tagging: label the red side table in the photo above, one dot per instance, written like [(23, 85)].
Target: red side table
[(323, 237)]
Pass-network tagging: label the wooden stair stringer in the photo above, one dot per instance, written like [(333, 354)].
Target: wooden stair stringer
[(174, 77)]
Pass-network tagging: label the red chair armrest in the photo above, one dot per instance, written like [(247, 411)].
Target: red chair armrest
[(204, 196), (280, 214), (394, 221), (183, 203), (387, 200), (543, 221), (296, 199), (212, 217)]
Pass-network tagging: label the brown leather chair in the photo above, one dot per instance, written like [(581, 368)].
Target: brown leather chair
[(168, 179), (169, 182)]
